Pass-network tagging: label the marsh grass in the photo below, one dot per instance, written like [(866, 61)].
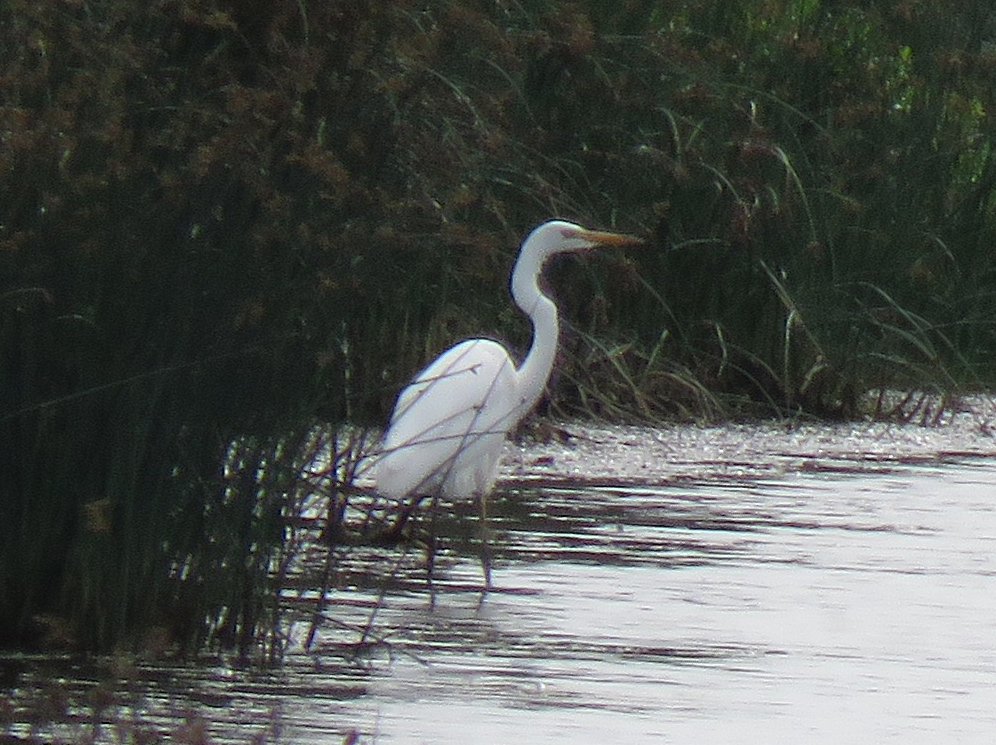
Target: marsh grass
[(114, 700), (224, 226)]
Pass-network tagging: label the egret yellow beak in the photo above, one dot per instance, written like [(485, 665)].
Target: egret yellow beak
[(603, 238)]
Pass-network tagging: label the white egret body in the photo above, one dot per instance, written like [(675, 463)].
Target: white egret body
[(449, 424)]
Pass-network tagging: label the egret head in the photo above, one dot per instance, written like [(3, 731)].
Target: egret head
[(559, 236)]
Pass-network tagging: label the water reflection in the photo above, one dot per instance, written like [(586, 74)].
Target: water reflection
[(824, 606), (850, 599)]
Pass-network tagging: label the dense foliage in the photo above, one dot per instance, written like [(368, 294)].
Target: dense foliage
[(221, 222)]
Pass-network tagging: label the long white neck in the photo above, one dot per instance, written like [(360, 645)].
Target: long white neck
[(535, 369)]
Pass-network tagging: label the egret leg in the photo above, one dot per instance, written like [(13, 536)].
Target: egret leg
[(485, 543), (430, 550), (395, 533)]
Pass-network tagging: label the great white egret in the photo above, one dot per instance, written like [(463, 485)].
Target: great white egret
[(449, 424)]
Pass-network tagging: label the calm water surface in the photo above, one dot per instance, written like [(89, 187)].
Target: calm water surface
[(730, 585)]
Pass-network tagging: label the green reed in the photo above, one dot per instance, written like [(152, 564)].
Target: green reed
[(222, 226)]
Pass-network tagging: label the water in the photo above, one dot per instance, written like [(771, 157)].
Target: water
[(737, 584)]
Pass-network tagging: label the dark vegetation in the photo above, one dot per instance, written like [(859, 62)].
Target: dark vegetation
[(222, 223)]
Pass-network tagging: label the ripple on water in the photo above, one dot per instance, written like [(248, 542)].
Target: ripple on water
[(748, 584)]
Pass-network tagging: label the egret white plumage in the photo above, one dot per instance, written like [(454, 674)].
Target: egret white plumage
[(449, 424)]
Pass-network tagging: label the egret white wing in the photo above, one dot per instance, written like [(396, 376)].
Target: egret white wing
[(449, 424)]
